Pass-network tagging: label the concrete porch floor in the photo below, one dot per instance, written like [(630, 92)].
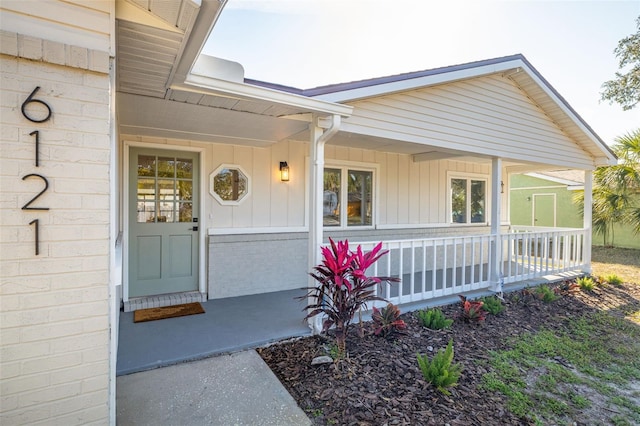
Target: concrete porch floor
[(228, 325)]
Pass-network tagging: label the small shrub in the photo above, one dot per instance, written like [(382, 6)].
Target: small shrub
[(387, 320), (568, 287), (545, 294), (434, 319), (613, 279), (472, 310), (586, 283), (440, 371), (492, 304)]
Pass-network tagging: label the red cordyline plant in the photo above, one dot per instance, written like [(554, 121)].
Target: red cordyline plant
[(343, 287)]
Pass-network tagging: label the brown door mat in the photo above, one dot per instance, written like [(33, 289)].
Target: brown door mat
[(153, 314)]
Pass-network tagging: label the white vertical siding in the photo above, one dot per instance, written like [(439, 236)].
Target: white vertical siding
[(488, 115)]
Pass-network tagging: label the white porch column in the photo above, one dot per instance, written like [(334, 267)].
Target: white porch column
[(496, 217), (587, 220), (321, 129)]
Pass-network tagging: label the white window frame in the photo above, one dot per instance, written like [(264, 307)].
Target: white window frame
[(217, 197), (344, 167), (487, 201)]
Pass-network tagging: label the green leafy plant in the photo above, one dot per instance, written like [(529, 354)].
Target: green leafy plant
[(613, 279), (586, 283), (434, 319), (343, 287), (387, 320), (472, 310), (440, 371), (545, 294), (492, 304)]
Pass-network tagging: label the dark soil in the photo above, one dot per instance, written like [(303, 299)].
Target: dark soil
[(380, 382)]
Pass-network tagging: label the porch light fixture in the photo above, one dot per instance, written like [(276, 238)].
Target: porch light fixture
[(284, 171)]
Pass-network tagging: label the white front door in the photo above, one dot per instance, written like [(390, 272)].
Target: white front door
[(163, 232)]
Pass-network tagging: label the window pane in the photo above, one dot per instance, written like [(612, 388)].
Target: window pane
[(459, 200), (146, 189), (166, 167), (230, 184), (184, 168), (185, 190), (146, 211), (359, 204), (331, 197), (478, 208), (146, 165), (185, 212)]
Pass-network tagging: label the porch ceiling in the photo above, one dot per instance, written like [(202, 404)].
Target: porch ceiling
[(157, 44)]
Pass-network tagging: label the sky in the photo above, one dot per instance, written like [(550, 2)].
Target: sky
[(311, 43)]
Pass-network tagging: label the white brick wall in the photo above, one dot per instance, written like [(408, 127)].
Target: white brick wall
[(54, 307)]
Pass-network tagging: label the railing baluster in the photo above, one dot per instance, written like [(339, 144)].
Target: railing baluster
[(413, 270)]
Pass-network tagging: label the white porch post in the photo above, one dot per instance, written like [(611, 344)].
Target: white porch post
[(318, 137), (587, 220), (496, 204)]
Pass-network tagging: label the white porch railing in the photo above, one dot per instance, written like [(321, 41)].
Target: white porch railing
[(434, 267)]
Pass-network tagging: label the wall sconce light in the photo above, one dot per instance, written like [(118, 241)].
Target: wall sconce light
[(501, 187), (284, 171)]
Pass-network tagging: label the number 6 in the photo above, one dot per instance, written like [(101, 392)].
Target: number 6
[(29, 100)]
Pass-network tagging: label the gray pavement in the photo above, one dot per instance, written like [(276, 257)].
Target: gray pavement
[(237, 389)]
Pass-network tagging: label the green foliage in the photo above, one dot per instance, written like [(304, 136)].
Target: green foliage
[(545, 294), (492, 304), (472, 310), (343, 287), (440, 371), (613, 279), (545, 374), (387, 320), (625, 88), (586, 283), (434, 319)]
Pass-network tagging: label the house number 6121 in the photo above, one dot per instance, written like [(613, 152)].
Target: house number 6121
[(34, 117)]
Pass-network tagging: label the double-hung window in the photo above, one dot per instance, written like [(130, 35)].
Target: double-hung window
[(468, 200), (347, 197)]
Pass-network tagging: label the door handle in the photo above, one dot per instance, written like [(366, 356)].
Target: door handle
[(195, 228)]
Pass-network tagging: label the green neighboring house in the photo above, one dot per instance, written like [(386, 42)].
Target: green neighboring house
[(545, 199)]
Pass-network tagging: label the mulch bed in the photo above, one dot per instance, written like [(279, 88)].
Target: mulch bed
[(381, 384)]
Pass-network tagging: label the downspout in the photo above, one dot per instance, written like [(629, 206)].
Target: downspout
[(318, 137)]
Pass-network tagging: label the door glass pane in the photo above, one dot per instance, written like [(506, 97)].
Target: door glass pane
[(185, 212), (146, 165), (478, 201), (146, 211), (166, 167), (331, 197), (359, 204), (459, 200), (146, 189), (185, 190), (184, 168)]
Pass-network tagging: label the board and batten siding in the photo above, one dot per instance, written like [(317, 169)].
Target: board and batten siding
[(488, 115)]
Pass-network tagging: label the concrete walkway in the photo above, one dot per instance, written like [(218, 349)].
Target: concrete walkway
[(236, 390)]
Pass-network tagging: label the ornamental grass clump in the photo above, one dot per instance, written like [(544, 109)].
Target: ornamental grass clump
[(440, 371), (343, 287), (434, 319), (586, 283), (492, 304), (387, 320), (613, 279)]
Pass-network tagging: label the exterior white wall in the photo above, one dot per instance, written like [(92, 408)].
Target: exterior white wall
[(55, 306), (488, 115), (79, 23)]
